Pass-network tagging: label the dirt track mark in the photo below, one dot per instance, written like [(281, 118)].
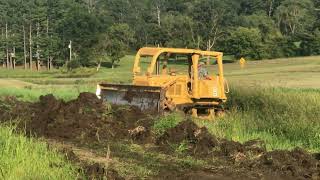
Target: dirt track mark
[(83, 154), (93, 165)]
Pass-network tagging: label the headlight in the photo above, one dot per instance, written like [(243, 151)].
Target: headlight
[(98, 92)]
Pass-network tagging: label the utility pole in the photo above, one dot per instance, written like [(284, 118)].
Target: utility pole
[(70, 50), (7, 51), (4, 58), (48, 49), (270, 8), (24, 48), (51, 58), (38, 46), (13, 56), (10, 60), (159, 15), (30, 46)]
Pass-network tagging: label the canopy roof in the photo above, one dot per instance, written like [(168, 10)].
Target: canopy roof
[(151, 51)]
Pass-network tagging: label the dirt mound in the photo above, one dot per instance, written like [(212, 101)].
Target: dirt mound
[(84, 119), (296, 163), (98, 171), (198, 140), (250, 156), (88, 120), (11, 109), (77, 119), (241, 153)]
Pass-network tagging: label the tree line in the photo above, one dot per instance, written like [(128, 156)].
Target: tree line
[(37, 34)]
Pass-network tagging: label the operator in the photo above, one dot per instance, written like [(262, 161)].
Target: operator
[(165, 64), (203, 73)]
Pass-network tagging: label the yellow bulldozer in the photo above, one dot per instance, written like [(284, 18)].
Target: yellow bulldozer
[(168, 79)]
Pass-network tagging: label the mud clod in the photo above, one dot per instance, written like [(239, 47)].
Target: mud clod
[(200, 140), (98, 171), (296, 163), (139, 133), (69, 154), (317, 156)]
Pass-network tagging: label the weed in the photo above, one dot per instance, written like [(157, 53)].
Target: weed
[(182, 147), (190, 162), (166, 122), (5, 106), (26, 158), (284, 118)]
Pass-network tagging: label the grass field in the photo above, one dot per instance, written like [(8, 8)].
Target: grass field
[(26, 158), (277, 101), (291, 73), (283, 118), (301, 73)]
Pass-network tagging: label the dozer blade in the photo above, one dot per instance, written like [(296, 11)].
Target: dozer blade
[(144, 97)]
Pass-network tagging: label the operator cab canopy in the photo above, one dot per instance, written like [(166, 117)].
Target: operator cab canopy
[(156, 52)]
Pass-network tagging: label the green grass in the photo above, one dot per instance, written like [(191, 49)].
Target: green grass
[(283, 118), (33, 93), (121, 74), (303, 72), (166, 122), (26, 158)]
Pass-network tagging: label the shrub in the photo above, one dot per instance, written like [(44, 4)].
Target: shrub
[(73, 64)]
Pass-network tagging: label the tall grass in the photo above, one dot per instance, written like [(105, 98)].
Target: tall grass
[(284, 118), (26, 158), (166, 122), (32, 93)]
